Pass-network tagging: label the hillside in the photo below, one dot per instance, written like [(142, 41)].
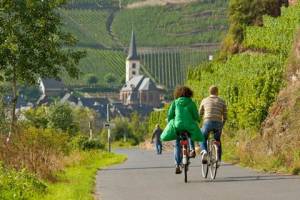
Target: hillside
[(171, 24), (170, 30), (250, 82), (283, 122)]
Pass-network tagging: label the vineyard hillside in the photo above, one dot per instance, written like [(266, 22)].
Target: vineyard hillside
[(168, 25), (170, 30), (250, 82)]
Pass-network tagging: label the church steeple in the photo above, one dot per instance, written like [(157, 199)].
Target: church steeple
[(132, 52), (132, 61)]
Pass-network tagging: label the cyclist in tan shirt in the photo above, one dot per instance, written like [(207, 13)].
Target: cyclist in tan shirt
[(213, 109)]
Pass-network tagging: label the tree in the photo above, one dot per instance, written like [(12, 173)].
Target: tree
[(33, 45), (122, 129), (61, 117), (110, 78), (37, 117), (92, 80), (138, 126)]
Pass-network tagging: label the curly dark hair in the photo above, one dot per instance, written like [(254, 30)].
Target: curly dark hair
[(183, 91)]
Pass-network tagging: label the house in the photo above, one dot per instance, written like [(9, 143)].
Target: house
[(138, 89), (52, 87)]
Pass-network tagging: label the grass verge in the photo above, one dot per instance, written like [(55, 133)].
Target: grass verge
[(78, 179)]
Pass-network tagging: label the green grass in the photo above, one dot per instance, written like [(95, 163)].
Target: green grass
[(77, 181)]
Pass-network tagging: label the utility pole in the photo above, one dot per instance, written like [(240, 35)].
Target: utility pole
[(91, 130), (109, 128)]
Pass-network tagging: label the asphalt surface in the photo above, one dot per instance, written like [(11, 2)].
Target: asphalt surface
[(147, 176)]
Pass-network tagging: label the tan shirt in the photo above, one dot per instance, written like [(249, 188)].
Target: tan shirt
[(213, 108)]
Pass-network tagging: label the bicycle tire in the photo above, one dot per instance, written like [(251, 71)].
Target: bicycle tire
[(205, 167), (213, 161)]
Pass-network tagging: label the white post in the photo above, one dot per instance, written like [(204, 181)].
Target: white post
[(91, 131), (108, 130)]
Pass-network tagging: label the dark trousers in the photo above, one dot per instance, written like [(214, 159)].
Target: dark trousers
[(158, 147)]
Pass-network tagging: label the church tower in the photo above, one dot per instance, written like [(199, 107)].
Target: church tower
[(132, 61)]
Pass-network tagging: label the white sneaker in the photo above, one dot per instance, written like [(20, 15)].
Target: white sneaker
[(203, 152)]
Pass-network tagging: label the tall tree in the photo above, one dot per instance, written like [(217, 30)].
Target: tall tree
[(33, 45)]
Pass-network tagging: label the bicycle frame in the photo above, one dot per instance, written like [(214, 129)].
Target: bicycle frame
[(185, 151)]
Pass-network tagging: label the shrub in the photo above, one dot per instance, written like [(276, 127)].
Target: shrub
[(37, 117), (82, 142), (61, 117), (38, 150), (19, 185)]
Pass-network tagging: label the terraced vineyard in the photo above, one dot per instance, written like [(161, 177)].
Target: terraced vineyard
[(100, 63), (89, 26), (103, 29), (173, 25), (166, 67), (169, 67)]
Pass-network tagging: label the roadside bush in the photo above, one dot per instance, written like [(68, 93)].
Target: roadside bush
[(19, 185), (57, 116), (37, 117), (61, 117), (82, 142), (38, 150)]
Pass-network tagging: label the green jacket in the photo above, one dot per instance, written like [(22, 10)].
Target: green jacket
[(185, 113), (182, 116)]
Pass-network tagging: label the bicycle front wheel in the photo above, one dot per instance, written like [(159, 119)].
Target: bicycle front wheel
[(204, 168), (213, 161)]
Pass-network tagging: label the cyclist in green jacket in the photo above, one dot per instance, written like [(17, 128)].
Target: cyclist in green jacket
[(182, 116)]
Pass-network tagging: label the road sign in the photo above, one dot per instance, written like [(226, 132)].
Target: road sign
[(109, 125)]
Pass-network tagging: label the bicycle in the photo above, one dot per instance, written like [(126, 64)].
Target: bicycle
[(212, 163), (185, 151)]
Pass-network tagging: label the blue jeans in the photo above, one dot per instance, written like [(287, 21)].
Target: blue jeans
[(216, 128), (158, 147), (177, 150)]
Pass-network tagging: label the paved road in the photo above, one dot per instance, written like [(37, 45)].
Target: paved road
[(147, 176)]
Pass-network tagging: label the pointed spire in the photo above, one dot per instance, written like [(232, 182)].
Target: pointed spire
[(132, 52)]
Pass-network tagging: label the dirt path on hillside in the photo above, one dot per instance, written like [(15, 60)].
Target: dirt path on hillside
[(109, 23), (145, 3)]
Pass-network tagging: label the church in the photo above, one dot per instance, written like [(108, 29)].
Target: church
[(138, 89)]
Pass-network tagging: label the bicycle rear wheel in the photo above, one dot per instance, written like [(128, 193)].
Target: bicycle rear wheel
[(213, 161)]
